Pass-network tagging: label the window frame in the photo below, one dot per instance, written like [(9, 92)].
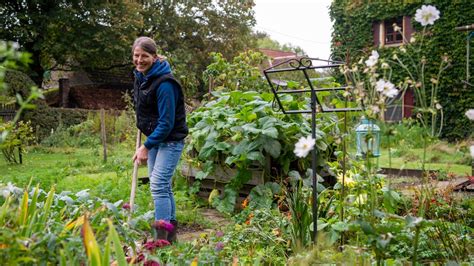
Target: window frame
[(379, 31)]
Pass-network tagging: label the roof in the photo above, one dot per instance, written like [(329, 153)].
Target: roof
[(277, 54)]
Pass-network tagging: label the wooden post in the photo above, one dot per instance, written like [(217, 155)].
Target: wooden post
[(135, 175), (211, 85), (64, 89), (103, 133), (20, 155)]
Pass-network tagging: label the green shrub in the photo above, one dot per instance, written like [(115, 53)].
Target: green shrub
[(243, 73), (18, 137), (404, 135), (45, 119), (18, 82)]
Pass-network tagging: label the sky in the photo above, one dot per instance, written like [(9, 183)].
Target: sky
[(303, 23)]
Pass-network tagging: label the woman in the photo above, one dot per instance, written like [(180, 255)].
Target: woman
[(159, 106)]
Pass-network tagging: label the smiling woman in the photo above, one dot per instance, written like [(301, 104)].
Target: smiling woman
[(159, 106)]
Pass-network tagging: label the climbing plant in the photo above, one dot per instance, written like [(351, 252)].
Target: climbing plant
[(352, 38)]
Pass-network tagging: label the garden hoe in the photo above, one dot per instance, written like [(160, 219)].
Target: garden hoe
[(134, 175)]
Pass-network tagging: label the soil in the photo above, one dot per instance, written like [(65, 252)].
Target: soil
[(189, 232)]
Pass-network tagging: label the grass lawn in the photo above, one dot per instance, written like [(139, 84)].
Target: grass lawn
[(441, 157), (76, 169)]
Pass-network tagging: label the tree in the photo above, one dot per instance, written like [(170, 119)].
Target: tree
[(64, 34), (84, 34), (189, 31), (264, 41)]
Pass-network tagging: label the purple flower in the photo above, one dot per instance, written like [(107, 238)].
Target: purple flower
[(162, 224), (126, 206), (219, 234), (153, 244), (219, 246), (151, 263)]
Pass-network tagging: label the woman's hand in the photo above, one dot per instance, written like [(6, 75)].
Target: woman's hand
[(141, 155)]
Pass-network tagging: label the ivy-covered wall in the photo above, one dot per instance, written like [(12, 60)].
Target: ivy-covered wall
[(352, 38)]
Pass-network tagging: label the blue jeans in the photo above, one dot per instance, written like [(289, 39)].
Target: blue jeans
[(162, 161)]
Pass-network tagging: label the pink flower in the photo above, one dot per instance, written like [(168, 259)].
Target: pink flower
[(219, 246), (153, 244), (219, 234), (126, 206), (162, 224), (151, 263)]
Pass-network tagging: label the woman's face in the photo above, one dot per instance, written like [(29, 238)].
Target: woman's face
[(143, 60)]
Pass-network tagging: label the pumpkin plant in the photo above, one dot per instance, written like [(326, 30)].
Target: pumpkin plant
[(241, 130)]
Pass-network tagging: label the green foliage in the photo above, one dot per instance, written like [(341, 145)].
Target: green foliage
[(19, 136), (80, 135), (45, 119), (353, 36), (264, 41), (10, 58), (301, 233), (41, 227), (91, 35), (240, 129), (408, 133), (18, 83), (242, 74), (66, 34), (197, 29)]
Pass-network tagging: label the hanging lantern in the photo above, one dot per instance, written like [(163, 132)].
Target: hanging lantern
[(368, 138)]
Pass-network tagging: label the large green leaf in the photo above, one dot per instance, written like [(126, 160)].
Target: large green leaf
[(256, 156), (271, 132), (273, 147), (222, 146)]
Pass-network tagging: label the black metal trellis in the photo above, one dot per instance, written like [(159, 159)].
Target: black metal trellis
[(305, 64)]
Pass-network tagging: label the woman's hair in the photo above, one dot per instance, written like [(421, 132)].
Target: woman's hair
[(146, 43)]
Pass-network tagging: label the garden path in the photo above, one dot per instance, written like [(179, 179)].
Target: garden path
[(217, 220)]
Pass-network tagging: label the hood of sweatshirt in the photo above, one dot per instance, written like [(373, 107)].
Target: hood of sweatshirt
[(157, 69)]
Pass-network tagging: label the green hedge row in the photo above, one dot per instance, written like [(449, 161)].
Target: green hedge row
[(45, 119)]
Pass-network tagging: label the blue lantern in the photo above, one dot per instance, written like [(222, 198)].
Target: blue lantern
[(368, 138)]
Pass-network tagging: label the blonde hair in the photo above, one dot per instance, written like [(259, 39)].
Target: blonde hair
[(148, 45)]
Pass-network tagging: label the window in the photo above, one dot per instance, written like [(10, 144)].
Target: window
[(392, 36), (385, 35)]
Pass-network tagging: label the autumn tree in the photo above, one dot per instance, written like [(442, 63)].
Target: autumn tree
[(190, 30), (63, 34)]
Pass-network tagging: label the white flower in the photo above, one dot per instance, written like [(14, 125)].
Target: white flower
[(372, 59), (391, 93), (470, 114), (438, 106), (385, 66), (427, 15), (5, 193), (10, 189), (412, 39), (375, 109), (304, 146), (386, 88), (472, 151)]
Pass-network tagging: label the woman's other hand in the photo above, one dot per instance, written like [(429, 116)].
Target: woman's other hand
[(141, 155)]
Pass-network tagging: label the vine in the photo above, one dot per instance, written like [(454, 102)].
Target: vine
[(352, 38)]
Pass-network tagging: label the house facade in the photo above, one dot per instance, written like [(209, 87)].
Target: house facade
[(362, 26)]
